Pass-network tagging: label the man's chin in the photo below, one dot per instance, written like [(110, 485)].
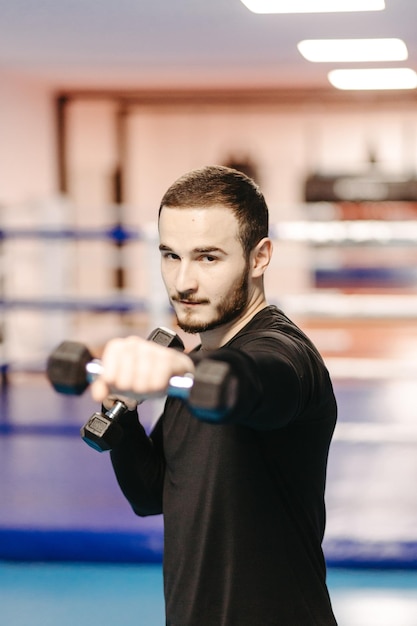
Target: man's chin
[(193, 327), (189, 329)]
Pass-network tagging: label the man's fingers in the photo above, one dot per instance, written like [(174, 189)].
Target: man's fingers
[(99, 390)]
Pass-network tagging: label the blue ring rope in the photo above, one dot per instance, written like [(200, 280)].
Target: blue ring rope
[(117, 234)]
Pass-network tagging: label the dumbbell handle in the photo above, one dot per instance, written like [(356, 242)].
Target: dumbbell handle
[(178, 386)]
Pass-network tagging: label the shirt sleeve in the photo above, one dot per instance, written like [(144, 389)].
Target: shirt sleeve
[(139, 465), (279, 379)]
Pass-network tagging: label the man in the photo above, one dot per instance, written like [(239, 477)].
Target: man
[(243, 498)]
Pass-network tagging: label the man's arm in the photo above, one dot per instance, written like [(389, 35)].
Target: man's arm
[(139, 464), (280, 380)]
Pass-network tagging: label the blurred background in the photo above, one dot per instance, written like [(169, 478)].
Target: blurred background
[(102, 106)]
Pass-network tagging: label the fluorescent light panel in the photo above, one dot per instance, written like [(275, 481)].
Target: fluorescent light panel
[(352, 50), (313, 6), (374, 79)]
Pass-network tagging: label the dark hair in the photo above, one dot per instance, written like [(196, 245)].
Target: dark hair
[(220, 185)]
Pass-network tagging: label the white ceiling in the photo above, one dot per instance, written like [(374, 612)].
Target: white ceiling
[(179, 43)]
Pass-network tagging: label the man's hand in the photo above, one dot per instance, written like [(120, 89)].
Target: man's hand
[(137, 366)]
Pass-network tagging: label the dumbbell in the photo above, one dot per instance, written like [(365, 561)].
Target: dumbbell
[(211, 392), (71, 368)]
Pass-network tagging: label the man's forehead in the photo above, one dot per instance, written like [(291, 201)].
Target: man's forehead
[(200, 227), (198, 217)]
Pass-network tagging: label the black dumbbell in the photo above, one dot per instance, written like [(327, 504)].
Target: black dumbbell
[(211, 392), (71, 368)]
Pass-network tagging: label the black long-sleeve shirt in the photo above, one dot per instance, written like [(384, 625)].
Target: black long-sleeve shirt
[(243, 500)]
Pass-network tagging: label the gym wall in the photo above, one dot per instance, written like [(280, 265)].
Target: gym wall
[(286, 138)]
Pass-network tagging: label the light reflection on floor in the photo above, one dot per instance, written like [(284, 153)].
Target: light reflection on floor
[(374, 598)]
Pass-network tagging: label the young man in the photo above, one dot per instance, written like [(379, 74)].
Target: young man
[(243, 498)]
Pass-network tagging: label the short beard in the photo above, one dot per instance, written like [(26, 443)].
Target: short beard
[(229, 309)]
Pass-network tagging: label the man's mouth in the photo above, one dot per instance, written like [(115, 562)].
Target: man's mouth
[(188, 302)]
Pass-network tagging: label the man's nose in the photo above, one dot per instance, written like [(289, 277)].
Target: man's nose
[(186, 279)]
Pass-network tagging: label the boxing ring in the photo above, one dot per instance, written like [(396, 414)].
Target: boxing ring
[(61, 498)]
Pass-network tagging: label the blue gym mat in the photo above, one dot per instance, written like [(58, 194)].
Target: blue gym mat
[(60, 500), (47, 594)]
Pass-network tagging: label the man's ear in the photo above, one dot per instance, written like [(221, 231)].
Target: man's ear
[(260, 257)]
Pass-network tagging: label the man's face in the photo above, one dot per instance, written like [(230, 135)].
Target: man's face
[(203, 266)]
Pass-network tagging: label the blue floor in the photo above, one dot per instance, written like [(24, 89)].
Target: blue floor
[(120, 595), (83, 595)]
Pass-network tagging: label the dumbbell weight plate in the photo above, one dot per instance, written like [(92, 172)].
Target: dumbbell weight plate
[(66, 368)]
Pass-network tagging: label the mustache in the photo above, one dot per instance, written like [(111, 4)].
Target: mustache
[(183, 297)]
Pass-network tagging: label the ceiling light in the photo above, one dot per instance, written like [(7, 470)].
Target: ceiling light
[(352, 50), (369, 79), (312, 6)]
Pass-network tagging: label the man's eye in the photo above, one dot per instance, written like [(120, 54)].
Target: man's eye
[(170, 256), (208, 258)]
